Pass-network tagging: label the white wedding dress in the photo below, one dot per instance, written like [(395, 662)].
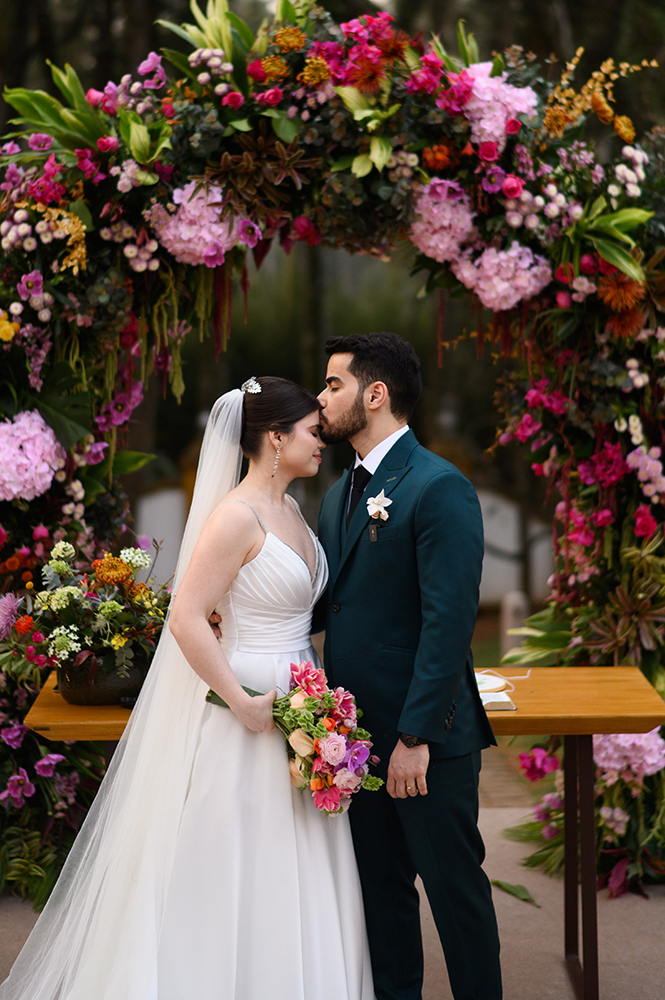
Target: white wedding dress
[(264, 900)]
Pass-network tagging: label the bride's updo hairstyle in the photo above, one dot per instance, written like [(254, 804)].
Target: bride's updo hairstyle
[(278, 406)]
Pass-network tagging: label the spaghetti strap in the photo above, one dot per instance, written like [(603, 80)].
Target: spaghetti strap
[(254, 512)]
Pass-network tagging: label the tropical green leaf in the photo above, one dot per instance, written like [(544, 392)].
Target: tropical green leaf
[(525, 654), (284, 128), (361, 165), (139, 142), (625, 219), (180, 61), (70, 87), (130, 461), (239, 64), (343, 164), (241, 124), (286, 12), (498, 66), (352, 98), (82, 212), (243, 29), (614, 254), (519, 891), (182, 32), (380, 151), (63, 405)]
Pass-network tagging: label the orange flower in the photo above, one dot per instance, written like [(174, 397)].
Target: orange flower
[(626, 324), (24, 624), (624, 128), (274, 68), (393, 46), (329, 779), (316, 784), (555, 121), (12, 564), (344, 730), (620, 292), (315, 72), (26, 576), (329, 724), (441, 156), (367, 75), (290, 39), (601, 106), (112, 570)]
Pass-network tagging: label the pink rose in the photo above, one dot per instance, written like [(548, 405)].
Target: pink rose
[(304, 229), (346, 780), (564, 300), (601, 518), (269, 98), (256, 71), (107, 144), (588, 263), (94, 97), (488, 151), (512, 186), (40, 532), (512, 126), (564, 273), (38, 637), (333, 749), (645, 523), (233, 100)]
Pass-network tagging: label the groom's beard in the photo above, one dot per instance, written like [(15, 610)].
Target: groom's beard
[(348, 425)]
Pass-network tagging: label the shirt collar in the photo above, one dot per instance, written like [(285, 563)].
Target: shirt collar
[(373, 459)]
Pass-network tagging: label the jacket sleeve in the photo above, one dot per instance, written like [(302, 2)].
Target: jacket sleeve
[(449, 553)]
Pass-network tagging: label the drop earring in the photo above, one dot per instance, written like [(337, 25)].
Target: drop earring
[(274, 468)]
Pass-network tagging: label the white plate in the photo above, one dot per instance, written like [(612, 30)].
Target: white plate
[(488, 682)]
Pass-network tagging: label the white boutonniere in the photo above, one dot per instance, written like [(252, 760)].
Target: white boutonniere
[(376, 506)]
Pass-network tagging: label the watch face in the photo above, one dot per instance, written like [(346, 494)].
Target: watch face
[(408, 741)]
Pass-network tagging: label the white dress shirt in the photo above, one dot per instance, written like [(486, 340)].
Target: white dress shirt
[(373, 459)]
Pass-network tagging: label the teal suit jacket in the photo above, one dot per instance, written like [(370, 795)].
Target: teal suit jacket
[(400, 611)]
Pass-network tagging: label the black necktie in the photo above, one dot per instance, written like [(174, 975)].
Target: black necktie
[(361, 477)]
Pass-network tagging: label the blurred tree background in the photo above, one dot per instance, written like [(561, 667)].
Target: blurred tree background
[(297, 301)]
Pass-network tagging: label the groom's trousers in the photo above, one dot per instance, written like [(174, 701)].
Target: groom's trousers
[(435, 836)]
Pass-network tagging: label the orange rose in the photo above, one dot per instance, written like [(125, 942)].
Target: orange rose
[(329, 724), (316, 784)]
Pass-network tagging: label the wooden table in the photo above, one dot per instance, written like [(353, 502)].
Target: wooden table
[(573, 702), (576, 702)]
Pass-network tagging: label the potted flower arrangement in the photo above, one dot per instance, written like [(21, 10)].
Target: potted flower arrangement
[(97, 625)]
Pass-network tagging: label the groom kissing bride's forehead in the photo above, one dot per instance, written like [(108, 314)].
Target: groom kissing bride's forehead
[(403, 535)]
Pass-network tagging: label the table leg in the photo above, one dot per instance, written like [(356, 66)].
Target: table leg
[(579, 829)]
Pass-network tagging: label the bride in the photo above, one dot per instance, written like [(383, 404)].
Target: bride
[(201, 873)]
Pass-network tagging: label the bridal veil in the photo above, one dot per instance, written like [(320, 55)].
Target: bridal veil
[(98, 935)]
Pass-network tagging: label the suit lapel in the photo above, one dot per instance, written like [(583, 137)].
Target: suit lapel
[(337, 525), (389, 474)]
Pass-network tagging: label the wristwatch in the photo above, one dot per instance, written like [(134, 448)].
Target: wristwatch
[(411, 741)]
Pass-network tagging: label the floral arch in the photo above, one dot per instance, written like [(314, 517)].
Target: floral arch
[(126, 217)]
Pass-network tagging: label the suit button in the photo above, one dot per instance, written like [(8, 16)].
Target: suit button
[(337, 607)]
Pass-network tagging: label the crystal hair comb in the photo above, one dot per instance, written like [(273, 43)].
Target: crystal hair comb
[(251, 385)]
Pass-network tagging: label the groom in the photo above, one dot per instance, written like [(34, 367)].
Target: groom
[(400, 612)]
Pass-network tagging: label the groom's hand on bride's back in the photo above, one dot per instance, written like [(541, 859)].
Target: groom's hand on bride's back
[(214, 621)]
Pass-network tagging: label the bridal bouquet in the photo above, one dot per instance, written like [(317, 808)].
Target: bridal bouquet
[(328, 752)]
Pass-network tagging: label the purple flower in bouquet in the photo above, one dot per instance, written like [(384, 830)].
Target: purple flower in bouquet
[(119, 410), (19, 787), (357, 756), (30, 284), (14, 735), (502, 278), (493, 180), (248, 233), (95, 453), (13, 178), (196, 226), (306, 676), (213, 255), (30, 454), (492, 103), (454, 100), (153, 64), (46, 765), (11, 148), (9, 609)]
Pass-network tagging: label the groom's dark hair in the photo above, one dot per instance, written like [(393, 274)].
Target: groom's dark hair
[(383, 357)]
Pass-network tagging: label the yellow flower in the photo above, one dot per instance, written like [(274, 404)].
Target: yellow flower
[(624, 128), (274, 68), (7, 329), (602, 108), (315, 72), (118, 640)]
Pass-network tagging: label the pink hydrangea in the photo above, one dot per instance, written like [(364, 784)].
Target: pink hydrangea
[(502, 278), (30, 454), (445, 220), (631, 756), (492, 103), (196, 233)]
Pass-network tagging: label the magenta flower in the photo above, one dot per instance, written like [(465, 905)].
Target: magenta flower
[(38, 637), (304, 229), (46, 765), (143, 542), (454, 100), (30, 284), (357, 756), (488, 151), (110, 98), (345, 711), (327, 799), (269, 98), (526, 427), (39, 140), (233, 100), (14, 735), (538, 763), (493, 180), (213, 255), (88, 166), (153, 64), (11, 148), (306, 676), (645, 523), (94, 97), (19, 787), (602, 518), (119, 410), (249, 233), (9, 609), (3, 536), (107, 144), (95, 453), (40, 532)]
